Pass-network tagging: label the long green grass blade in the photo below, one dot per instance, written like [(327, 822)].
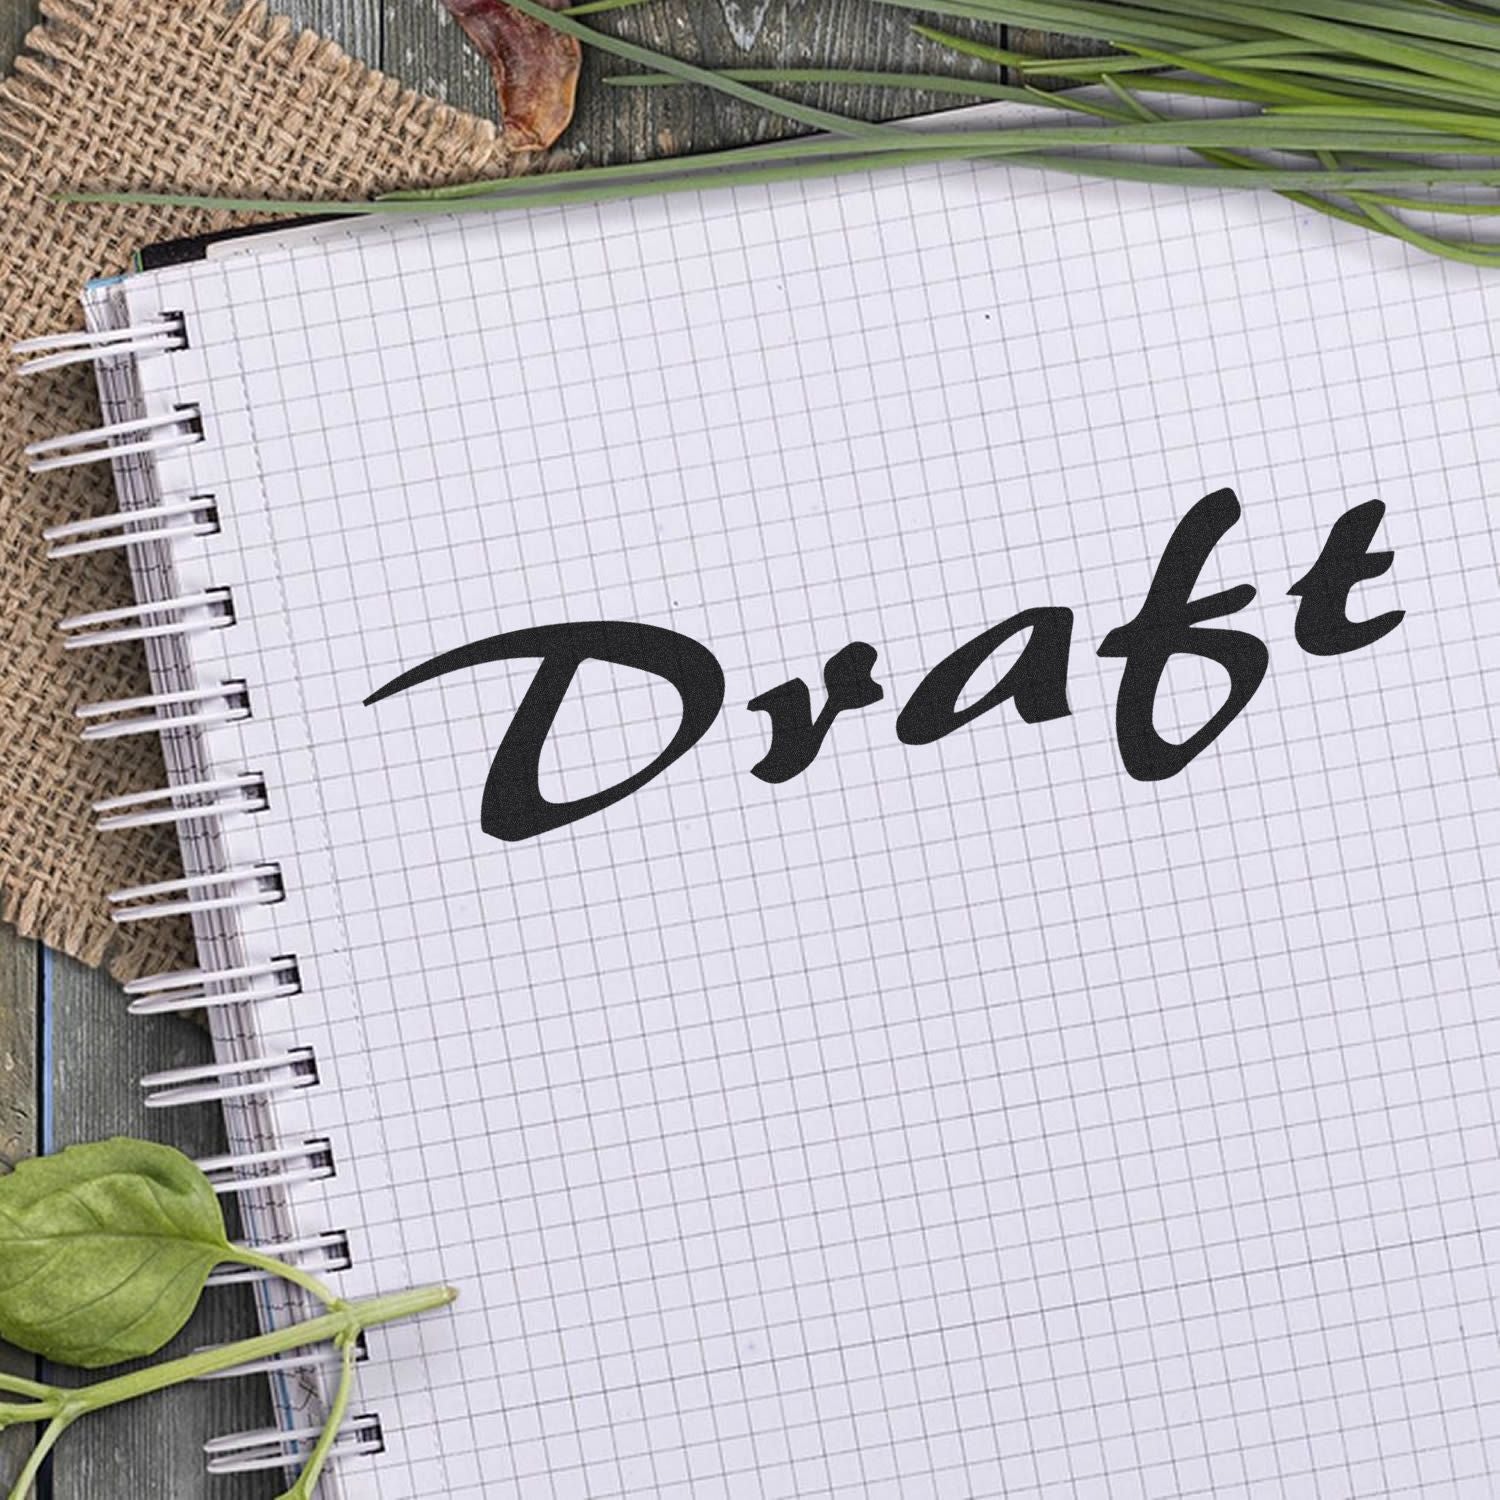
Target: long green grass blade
[(1118, 168), (1338, 75), (593, 7), (1361, 41), (805, 148), (1449, 121), (1474, 255), (1242, 132), (1451, 207), (1373, 112), (1315, 201), (925, 83), (1112, 24), (1421, 22), (971, 48), (660, 62)]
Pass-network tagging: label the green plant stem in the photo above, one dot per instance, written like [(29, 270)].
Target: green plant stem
[(1157, 22), (12, 1415), (44, 1445), (307, 1480), (343, 1325), (354, 1315), (287, 1272), (19, 1387)]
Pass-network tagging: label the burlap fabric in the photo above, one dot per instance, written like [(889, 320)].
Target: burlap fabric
[(179, 95)]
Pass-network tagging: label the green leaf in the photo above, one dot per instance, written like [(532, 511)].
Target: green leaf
[(104, 1250)]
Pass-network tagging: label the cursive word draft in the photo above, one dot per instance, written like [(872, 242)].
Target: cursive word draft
[(1170, 623)]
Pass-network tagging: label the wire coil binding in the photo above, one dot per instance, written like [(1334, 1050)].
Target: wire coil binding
[(123, 719), (199, 989), (56, 351), (231, 1175), (145, 529), (322, 1254), (180, 428), (196, 516), (222, 797), (213, 609), (240, 1078), (253, 1452), (323, 1357), (223, 890)]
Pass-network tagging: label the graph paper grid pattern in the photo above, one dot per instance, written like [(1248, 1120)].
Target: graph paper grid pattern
[(957, 1120)]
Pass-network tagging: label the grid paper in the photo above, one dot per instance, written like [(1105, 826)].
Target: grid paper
[(967, 1119)]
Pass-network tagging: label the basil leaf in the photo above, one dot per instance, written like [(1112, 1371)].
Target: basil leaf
[(104, 1250)]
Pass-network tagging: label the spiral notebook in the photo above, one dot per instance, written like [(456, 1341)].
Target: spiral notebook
[(863, 809)]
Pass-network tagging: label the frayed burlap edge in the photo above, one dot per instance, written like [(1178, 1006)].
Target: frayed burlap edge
[(50, 56), (52, 878)]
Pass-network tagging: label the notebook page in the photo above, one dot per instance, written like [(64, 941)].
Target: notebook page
[(968, 1117)]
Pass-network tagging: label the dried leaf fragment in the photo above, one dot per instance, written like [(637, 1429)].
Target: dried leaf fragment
[(535, 68)]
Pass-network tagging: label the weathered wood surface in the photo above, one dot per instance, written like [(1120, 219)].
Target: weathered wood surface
[(87, 1070), (94, 1056), (19, 1004), (423, 47)]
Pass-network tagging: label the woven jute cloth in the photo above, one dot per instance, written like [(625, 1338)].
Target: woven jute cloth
[(174, 95)]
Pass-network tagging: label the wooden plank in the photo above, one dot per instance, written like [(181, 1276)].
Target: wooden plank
[(18, 1044), (97, 1054), (353, 24), (19, 990), (618, 124), (20, 960), (17, 17), (426, 49)]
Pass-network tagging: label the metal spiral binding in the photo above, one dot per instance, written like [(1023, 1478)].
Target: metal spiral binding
[(222, 890), (198, 515), (231, 1175), (322, 1254), (213, 891), (213, 609), (244, 1078), (253, 1452), (205, 989), (180, 428), (124, 719), (324, 1357), (219, 798), (55, 351)]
